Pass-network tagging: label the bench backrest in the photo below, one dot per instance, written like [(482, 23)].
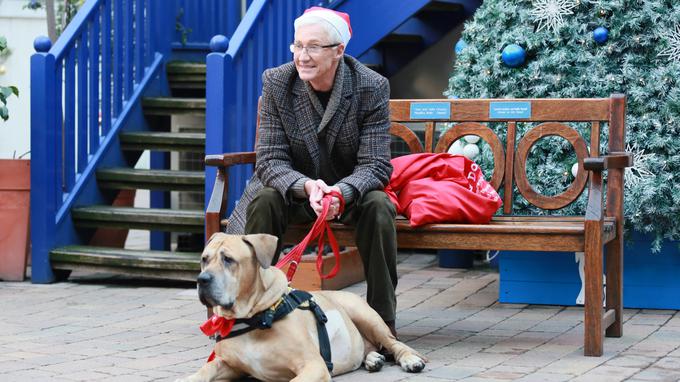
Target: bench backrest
[(551, 118)]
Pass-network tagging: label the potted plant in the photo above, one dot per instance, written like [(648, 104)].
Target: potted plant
[(15, 177)]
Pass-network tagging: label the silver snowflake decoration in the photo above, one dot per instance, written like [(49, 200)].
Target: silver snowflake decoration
[(641, 164), (673, 50), (549, 13)]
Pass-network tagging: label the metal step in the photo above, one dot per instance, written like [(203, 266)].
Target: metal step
[(155, 219), (163, 141), (186, 75), (157, 264), (129, 178), (183, 67), (173, 106)]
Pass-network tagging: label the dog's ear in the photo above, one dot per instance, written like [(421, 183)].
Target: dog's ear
[(264, 246)]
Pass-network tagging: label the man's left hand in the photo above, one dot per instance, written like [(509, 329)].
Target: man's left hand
[(334, 210)]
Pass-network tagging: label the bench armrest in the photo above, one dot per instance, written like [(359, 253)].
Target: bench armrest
[(613, 160), (229, 159), (217, 205)]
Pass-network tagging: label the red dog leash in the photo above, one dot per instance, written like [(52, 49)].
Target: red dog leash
[(320, 225)]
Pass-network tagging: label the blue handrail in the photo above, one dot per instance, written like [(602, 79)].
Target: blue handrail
[(83, 90), (234, 81)]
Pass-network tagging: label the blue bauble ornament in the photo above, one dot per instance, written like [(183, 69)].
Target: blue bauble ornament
[(460, 45), (513, 55), (600, 35)]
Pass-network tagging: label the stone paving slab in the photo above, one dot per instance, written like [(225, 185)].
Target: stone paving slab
[(108, 328)]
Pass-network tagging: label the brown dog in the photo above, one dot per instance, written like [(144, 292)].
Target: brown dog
[(238, 282)]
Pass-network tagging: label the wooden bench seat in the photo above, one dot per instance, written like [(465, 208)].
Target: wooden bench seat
[(517, 234), (598, 233)]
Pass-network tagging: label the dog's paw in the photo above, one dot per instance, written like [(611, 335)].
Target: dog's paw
[(412, 363), (374, 361)]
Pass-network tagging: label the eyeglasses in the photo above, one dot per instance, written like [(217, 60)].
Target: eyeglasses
[(311, 49)]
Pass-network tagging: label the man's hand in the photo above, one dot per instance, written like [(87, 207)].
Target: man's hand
[(316, 189)]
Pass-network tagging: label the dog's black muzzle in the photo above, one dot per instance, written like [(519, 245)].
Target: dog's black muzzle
[(205, 291), (204, 281)]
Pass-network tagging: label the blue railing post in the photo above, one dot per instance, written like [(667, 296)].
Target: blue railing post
[(163, 25), (162, 29), (216, 94), (45, 182)]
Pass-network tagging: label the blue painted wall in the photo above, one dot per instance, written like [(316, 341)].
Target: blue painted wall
[(649, 280)]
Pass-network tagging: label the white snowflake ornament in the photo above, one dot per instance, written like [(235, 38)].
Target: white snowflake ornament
[(641, 167), (550, 13), (673, 50)]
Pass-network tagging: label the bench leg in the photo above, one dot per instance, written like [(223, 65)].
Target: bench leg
[(593, 333), (614, 253)]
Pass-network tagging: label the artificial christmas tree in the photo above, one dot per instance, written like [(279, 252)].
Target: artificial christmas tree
[(586, 48)]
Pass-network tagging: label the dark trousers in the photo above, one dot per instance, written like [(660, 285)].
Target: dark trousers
[(375, 235)]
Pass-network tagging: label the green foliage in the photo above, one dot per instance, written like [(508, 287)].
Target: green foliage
[(65, 12), (5, 91), (184, 31), (569, 63)]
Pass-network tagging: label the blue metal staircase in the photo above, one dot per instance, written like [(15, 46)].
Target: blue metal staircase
[(108, 88)]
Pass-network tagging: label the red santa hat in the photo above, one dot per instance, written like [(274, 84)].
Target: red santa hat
[(339, 21)]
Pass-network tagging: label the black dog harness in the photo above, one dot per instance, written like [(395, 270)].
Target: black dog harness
[(288, 303)]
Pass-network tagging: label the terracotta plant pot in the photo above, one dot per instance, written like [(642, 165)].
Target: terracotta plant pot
[(15, 195)]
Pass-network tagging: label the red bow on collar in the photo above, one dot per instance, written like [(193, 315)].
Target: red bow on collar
[(217, 324), (214, 325)]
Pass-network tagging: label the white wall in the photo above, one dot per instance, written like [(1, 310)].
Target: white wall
[(20, 26)]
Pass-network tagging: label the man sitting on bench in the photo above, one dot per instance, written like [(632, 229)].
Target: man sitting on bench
[(324, 125)]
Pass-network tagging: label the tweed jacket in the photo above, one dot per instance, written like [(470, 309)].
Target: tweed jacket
[(357, 126)]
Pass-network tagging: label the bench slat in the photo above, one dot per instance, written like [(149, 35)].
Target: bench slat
[(509, 235), (544, 110)]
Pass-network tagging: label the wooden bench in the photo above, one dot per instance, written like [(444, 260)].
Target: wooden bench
[(601, 227)]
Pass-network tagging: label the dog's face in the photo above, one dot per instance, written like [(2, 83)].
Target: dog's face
[(229, 266)]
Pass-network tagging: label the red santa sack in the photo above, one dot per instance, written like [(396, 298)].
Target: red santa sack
[(441, 188)]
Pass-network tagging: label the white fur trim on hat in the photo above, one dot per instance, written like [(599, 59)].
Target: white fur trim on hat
[(339, 21)]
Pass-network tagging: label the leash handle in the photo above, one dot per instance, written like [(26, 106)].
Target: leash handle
[(331, 240), (320, 225)]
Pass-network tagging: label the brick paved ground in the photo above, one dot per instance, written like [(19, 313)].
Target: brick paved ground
[(108, 329)]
